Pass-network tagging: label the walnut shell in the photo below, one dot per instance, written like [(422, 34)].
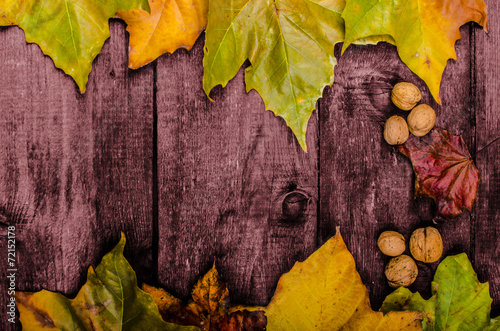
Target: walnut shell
[(401, 271), (396, 130), (421, 120), (391, 243), (405, 95), (426, 244)]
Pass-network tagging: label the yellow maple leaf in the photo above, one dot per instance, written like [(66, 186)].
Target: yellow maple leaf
[(172, 24), (325, 292)]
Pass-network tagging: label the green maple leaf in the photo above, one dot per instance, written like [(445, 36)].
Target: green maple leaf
[(109, 300), (290, 45), (459, 300), (424, 31), (72, 33)]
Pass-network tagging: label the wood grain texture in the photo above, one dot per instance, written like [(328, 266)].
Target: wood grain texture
[(366, 186), (487, 210), (193, 182), (75, 169), (225, 171)]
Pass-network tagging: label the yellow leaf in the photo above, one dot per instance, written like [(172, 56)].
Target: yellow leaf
[(424, 31), (172, 24), (325, 292)]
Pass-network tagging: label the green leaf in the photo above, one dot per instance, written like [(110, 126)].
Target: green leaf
[(290, 45), (72, 32), (109, 300), (424, 31), (459, 301)]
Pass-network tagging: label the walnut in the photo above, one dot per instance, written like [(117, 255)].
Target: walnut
[(391, 243), (396, 130), (426, 244), (405, 95), (421, 120), (401, 271)]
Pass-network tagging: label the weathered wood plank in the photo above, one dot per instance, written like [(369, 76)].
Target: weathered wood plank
[(225, 169), (366, 186), (75, 169), (487, 209)]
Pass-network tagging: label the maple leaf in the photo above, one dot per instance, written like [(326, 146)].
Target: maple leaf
[(424, 31), (72, 33), (325, 292), (290, 45), (443, 170), (459, 301), (109, 300), (209, 309), (172, 24)]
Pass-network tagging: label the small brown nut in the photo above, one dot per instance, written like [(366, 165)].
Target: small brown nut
[(391, 243), (396, 130), (405, 95), (401, 271), (421, 120), (426, 244)]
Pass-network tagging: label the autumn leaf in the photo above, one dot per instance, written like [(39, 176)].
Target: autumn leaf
[(7, 10), (325, 292), (172, 24), (72, 33), (244, 320), (459, 301), (424, 31), (209, 309), (443, 170), (290, 45), (109, 300)]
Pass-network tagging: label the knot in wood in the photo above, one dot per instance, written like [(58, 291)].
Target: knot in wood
[(294, 206)]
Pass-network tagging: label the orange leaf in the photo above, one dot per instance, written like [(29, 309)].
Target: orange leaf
[(172, 24), (444, 171), (209, 309)]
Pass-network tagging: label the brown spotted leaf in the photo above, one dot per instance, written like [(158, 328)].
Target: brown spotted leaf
[(444, 171), (244, 320), (209, 309)]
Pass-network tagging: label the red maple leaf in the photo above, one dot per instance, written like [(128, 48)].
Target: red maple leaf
[(444, 171)]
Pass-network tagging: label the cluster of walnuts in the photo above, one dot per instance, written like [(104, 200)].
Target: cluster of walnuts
[(426, 246), (420, 120)]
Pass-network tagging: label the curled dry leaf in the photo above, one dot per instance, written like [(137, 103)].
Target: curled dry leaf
[(209, 309), (444, 171)]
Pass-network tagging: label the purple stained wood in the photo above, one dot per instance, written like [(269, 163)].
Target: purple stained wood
[(193, 182), (235, 189), (366, 186), (75, 169), (486, 214)]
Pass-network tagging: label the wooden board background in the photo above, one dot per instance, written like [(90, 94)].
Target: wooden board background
[(193, 182)]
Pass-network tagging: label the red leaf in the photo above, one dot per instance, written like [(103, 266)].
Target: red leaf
[(444, 171)]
